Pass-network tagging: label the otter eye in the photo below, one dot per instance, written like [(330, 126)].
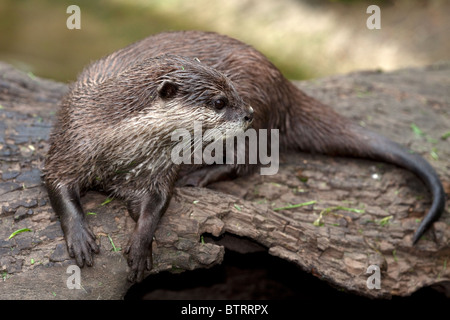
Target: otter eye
[(220, 103)]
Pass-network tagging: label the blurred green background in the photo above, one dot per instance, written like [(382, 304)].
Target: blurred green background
[(305, 39)]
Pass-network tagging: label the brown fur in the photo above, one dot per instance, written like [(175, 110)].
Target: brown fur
[(110, 125), (305, 124), (114, 133)]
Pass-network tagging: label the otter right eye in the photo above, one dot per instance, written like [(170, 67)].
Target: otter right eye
[(219, 104)]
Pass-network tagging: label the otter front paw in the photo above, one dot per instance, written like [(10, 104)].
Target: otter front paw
[(139, 253), (80, 244)]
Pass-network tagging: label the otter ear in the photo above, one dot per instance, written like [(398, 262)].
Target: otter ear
[(167, 90)]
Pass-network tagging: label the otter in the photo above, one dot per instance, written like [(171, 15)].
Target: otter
[(304, 123), (113, 133)]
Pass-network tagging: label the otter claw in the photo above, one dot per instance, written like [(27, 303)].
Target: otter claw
[(81, 245), (139, 260)]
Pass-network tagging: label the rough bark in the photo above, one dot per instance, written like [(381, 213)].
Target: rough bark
[(338, 248)]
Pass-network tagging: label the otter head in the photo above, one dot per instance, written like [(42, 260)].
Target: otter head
[(192, 91)]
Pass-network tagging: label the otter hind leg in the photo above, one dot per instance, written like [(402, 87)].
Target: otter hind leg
[(207, 175), (81, 241)]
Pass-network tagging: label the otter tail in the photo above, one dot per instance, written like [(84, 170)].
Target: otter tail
[(381, 148), (317, 128)]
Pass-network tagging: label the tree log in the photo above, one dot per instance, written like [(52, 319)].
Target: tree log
[(362, 213)]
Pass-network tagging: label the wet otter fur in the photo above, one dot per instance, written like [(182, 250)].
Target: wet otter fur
[(114, 133), (304, 123)]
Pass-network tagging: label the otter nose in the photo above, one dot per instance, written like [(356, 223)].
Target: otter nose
[(249, 116)]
